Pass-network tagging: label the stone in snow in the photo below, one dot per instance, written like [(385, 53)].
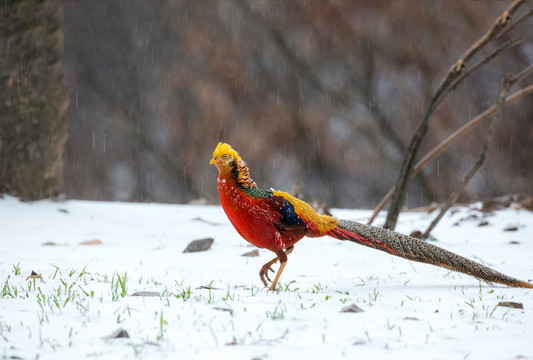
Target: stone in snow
[(199, 245)]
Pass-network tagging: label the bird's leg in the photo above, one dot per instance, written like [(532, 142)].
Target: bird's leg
[(282, 257), (282, 263), (263, 273)]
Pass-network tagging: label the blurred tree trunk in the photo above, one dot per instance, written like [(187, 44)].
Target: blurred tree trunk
[(33, 98)]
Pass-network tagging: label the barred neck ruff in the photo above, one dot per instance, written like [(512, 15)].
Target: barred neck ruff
[(231, 166), (242, 176)]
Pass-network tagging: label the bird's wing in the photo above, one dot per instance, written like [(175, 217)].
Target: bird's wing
[(285, 219)]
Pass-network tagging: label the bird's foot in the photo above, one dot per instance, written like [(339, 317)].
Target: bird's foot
[(282, 258), (263, 273)]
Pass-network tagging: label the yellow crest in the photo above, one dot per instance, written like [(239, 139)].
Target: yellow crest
[(224, 151)]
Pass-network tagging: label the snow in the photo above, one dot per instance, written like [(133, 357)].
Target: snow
[(212, 305)]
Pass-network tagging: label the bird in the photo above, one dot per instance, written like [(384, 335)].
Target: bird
[(276, 221)]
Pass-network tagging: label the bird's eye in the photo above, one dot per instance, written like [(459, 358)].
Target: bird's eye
[(225, 156)]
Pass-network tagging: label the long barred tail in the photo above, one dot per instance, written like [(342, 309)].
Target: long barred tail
[(414, 249)]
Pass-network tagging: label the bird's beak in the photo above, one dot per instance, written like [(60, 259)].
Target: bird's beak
[(213, 161)]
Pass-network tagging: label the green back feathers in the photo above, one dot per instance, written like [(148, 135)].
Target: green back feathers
[(256, 193)]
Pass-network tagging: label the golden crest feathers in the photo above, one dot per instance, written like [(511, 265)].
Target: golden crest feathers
[(225, 149)]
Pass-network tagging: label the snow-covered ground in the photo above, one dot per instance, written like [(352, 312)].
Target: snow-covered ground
[(212, 305)]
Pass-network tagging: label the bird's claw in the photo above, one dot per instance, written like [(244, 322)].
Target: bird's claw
[(263, 274), (266, 274)]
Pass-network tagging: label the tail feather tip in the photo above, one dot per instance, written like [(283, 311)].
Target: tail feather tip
[(525, 284)]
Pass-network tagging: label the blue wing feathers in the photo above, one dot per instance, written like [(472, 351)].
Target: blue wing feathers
[(289, 215)]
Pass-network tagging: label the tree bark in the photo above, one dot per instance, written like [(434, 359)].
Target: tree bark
[(33, 98)]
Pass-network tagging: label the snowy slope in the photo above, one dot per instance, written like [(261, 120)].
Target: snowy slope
[(212, 305)]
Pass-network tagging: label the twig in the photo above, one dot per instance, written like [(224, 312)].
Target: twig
[(497, 27), (476, 67), (522, 74), (465, 129), (516, 22), (442, 91), (459, 133), (507, 82)]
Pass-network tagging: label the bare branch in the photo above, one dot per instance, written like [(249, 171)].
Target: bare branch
[(476, 67), (497, 27), (522, 74), (456, 135), (442, 91), (480, 163), (517, 22)]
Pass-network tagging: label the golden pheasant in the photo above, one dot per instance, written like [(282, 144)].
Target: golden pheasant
[(276, 220)]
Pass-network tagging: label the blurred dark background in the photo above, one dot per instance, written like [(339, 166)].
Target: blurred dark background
[(319, 97)]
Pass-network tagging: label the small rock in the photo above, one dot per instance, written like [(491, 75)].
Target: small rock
[(454, 211), (151, 343), (117, 334), (209, 287), (251, 253), (416, 234), (511, 304), (497, 203), (199, 245), (411, 318), (64, 211), (232, 342), (514, 242), (49, 243), (359, 342), (352, 308), (511, 228), (146, 293), (209, 222), (92, 242), (483, 223), (221, 309)]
